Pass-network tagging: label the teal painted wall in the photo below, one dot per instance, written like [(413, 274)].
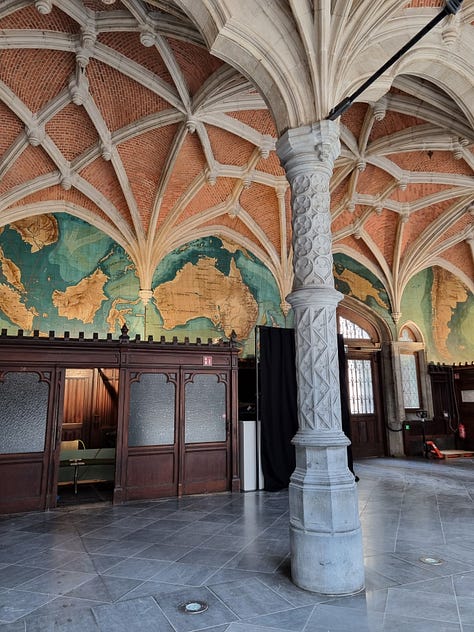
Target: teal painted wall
[(443, 309), (62, 274)]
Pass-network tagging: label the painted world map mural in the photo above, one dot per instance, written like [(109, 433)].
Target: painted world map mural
[(58, 273)]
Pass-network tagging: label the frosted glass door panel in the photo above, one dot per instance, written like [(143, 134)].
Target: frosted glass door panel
[(205, 406), (411, 396), (152, 411), (23, 413)]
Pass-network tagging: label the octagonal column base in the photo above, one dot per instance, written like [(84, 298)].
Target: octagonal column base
[(327, 563), (325, 534)]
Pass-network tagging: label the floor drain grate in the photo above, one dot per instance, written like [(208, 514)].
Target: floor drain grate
[(434, 561), (194, 607)]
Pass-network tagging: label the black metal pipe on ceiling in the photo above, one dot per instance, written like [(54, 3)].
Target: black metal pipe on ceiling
[(451, 7)]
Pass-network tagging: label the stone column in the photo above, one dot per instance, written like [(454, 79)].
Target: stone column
[(325, 534)]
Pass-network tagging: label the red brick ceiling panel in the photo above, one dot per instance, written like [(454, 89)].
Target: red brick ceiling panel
[(229, 149), (64, 131), (196, 64), (461, 257), (336, 200), (373, 181), (56, 193), (417, 191), (421, 220), (11, 127), (440, 161), (210, 195), (270, 165), (354, 117), (190, 163), (120, 99), (128, 44), (30, 18), (144, 157), (382, 230), (261, 204), (235, 224), (260, 120), (357, 246), (101, 175), (36, 76), (392, 123), (455, 228), (32, 162), (338, 194), (344, 219)]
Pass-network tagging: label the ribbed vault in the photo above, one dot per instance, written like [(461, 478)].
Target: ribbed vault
[(120, 115)]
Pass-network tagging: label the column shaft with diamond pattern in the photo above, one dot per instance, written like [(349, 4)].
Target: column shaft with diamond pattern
[(326, 540)]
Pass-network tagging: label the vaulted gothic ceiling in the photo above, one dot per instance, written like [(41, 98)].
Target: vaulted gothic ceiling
[(117, 113)]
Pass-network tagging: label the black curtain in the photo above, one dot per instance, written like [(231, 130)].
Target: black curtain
[(278, 408), (345, 412), (278, 404)]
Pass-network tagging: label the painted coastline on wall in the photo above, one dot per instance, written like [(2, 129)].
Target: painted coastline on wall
[(58, 273), (443, 309)]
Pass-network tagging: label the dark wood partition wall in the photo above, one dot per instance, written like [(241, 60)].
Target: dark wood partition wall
[(175, 407), (452, 387)]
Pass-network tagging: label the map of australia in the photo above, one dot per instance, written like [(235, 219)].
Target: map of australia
[(201, 290)]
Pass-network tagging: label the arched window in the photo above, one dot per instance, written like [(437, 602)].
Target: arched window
[(409, 367), (350, 329), (359, 369)]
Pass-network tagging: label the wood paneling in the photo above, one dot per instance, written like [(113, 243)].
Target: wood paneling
[(92, 404), (151, 473), (22, 482), (450, 406), (206, 469)]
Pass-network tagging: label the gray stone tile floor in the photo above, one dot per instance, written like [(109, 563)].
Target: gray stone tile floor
[(98, 567)]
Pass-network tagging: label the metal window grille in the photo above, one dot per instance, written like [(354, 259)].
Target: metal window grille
[(361, 392), (350, 330)]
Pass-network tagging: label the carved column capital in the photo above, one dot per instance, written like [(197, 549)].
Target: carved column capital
[(309, 147)]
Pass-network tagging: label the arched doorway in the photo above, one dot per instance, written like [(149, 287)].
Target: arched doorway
[(364, 384)]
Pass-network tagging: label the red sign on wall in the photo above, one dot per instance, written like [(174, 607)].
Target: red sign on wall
[(207, 360)]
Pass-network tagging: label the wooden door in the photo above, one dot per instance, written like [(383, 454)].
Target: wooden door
[(367, 429), (177, 440), (205, 436), (103, 417), (77, 405), (90, 406), (151, 435)]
